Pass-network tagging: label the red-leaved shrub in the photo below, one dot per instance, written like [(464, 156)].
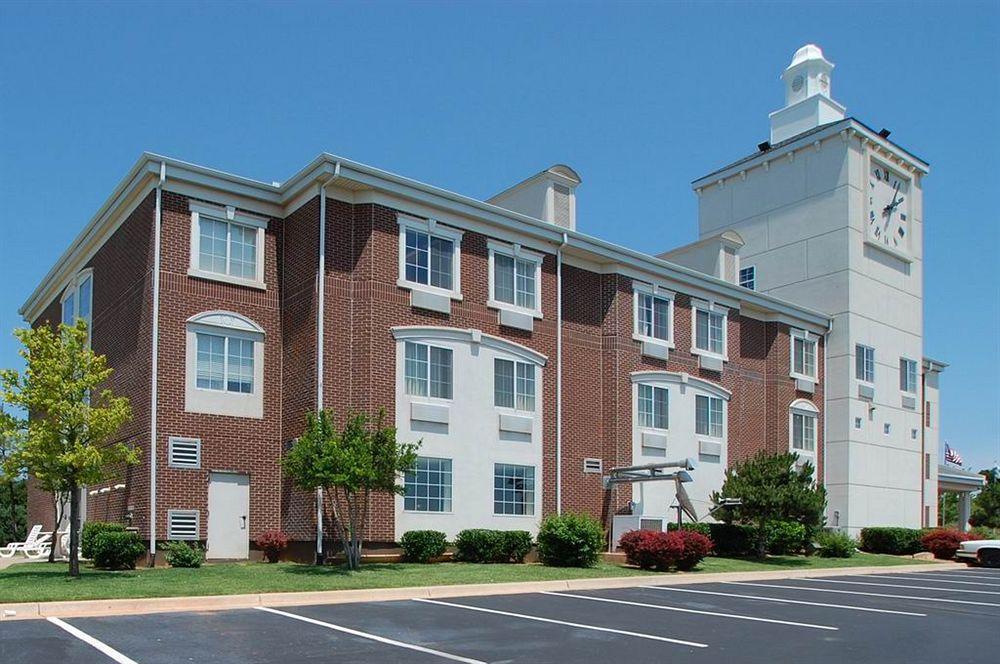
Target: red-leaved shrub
[(696, 547), (662, 551), (272, 543), (943, 542)]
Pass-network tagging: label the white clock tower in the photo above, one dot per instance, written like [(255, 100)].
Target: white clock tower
[(831, 215)]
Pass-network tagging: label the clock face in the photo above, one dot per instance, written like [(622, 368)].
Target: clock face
[(888, 207)]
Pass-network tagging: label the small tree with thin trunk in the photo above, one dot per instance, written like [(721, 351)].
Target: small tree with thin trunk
[(349, 465), (770, 488), (67, 442)]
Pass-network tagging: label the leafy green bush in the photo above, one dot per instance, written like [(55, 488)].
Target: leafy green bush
[(896, 541), (117, 549), (570, 540), (835, 544), (728, 539), (481, 545), (92, 529), (419, 546), (785, 537), (182, 554)]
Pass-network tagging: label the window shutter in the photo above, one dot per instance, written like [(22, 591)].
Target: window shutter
[(182, 524)]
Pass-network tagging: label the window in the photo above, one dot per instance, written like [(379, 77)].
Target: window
[(803, 355), (887, 428), (428, 486), (927, 466), (710, 331), (927, 414), (907, 375), (184, 452), (428, 371), (708, 416), (514, 384), (513, 489), (913, 434), (803, 432), (653, 315), (653, 407), (77, 300), (182, 524), (225, 363), (857, 422), (748, 277), (227, 244), (515, 277), (429, 256), (864, 363)]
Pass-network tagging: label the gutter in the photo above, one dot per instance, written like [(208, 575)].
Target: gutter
[(320, 337), (154, 368), (559, 414)]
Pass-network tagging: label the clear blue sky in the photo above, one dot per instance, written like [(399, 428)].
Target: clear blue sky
[(639, 98)]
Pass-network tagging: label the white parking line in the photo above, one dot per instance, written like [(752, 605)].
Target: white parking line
[(858, 592), (958, 575), (91, 641), (595, 628), (927, 580), (900, 585), (788, 601), (373, 637), (683, 610)]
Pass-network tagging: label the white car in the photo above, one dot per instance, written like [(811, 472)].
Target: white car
[(980, 552)]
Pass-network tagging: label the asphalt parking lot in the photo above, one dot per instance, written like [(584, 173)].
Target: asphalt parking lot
[(935, 616)]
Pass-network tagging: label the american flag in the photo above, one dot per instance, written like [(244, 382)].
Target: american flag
[(951, 456)]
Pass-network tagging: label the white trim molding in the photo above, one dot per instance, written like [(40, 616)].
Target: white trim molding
[(658, 292), (711, 307), (517, 252), (682, 378), (435, 229), (222, 402), (807, 337), (804, 409), (230, 216), (430, 333)]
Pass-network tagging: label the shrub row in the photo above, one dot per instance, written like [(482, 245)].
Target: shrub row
[(90, 531), (481, 545), (680, 549), (896, 541), (729, 539), (420, 546)]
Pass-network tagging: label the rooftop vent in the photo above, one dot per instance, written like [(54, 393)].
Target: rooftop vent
[(549, 196)]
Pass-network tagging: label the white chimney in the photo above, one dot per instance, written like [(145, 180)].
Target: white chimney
[(549, 196), (807, 96)]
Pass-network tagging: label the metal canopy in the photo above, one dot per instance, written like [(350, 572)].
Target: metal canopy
[(651, 472)]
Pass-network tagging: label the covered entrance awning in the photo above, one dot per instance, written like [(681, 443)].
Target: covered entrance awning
[(964, 483)]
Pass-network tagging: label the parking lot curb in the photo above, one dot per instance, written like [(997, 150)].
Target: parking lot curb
[(111, 607)]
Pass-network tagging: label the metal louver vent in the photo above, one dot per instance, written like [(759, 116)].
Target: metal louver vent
[(592, 465), (184, 452), (182, 524)]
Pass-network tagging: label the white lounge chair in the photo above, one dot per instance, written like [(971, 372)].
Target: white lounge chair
[(36, 545)]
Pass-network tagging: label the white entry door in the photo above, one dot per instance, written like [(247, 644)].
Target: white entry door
[(228, 514)]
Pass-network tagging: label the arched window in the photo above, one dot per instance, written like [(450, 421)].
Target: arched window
[(225, 356), (802, 429), (77, 300)]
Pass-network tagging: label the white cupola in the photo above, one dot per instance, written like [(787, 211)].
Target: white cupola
[(807, 95)]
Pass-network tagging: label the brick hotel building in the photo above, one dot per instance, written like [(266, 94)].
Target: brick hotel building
[(529, 357)]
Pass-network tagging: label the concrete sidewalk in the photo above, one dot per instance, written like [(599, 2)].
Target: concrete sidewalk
[(109, 607)]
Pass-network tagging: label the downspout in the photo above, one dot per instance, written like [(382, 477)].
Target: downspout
[(154, 369), (320, 336), (924, 470), (559, 414), (826, 401)]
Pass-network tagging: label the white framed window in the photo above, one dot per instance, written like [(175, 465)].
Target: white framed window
[(653, 407), (709, 333), (428, 371), (802, 427), (748, 277), (225, 365), (864, 363), (803, 359), (709, 416), (513, 489), (227, 245), (429, 257), (908, 375), (184, 452), (652, 314), (515, 278), (78, 300), (428, 486), (183, 524), (514, 384)]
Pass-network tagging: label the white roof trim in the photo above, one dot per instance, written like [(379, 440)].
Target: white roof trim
[(804, 406), (432, 333), (681, 378), (226, 319)]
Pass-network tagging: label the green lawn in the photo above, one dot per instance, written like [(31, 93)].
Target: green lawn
[(39, 582)]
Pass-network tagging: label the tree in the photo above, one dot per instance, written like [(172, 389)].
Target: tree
[(986, 504), (66, 442), (770, 489), (13, 493), (349, 465)]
